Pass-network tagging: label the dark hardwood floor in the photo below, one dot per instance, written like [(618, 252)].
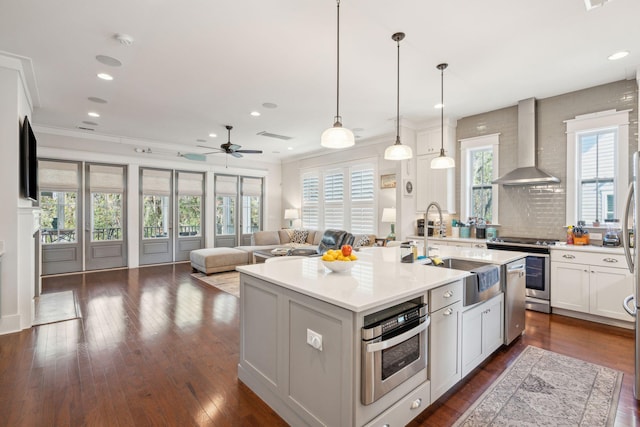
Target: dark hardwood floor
[(155, 347)]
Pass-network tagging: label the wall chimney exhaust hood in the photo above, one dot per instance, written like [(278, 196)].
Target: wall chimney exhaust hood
[(526, 173)]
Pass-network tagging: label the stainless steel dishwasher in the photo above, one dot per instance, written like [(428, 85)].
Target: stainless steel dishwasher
[(515, 278)]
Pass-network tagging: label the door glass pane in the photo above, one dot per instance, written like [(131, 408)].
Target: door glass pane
[(106, 216), (155, 221), (251, 214), (189, 215), (58, 217), (225, 215)]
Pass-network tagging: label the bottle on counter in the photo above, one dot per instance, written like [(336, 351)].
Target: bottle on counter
[(570, 235)]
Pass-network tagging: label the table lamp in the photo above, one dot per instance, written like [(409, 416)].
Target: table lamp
[(389, 215), (291, 214)]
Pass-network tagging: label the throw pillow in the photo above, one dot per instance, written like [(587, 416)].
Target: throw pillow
[(299, 236), (361, 240)]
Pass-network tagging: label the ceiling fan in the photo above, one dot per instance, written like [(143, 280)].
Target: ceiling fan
[(229, 148)]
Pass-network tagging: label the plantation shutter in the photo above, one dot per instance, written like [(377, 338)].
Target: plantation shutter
[(363, 210), (310, 201), (334, 200), (58, 176)]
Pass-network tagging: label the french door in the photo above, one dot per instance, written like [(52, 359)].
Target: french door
[(239, 209), (156, 216), (189, 213), (105, 227)]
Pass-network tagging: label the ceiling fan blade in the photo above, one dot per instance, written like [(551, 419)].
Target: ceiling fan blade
[(234, 147), (206, 146), (236, 154), (249, 151), (194, 156)]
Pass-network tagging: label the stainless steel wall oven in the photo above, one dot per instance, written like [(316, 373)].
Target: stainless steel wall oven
[(394, 347)]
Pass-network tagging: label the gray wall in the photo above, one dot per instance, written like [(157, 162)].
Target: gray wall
[(539, 210)]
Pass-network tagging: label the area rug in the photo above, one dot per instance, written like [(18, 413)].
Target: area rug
[(55, 307), (542, 388), (228, 281)]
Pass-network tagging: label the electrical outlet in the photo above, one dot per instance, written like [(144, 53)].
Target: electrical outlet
[(596, 236), (314, 339)]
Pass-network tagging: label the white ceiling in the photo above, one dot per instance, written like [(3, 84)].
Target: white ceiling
[(196, 65)]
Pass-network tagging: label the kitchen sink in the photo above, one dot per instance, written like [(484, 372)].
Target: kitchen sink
[(474, 291)]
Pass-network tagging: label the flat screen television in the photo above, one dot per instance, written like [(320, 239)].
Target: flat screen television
[(28, 161)]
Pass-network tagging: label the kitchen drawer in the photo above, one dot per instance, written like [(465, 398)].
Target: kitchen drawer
[(406, 409), (445, 295), (592, 258)]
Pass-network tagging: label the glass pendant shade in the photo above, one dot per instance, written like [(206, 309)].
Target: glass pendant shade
[(442, 161), (398, 151), (337, 137)]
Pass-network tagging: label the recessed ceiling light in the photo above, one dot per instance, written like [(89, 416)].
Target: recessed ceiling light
[(108, 60), (618, 55), (97, 100), (592, 4), (438, 106), (213, 135), (289, 148), (255, 113), (105, 76), (93, 114), (270, 105)]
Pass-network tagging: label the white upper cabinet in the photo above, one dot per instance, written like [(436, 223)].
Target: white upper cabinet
[(435, 185)]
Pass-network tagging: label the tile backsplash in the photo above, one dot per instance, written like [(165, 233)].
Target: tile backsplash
[(540, 210)]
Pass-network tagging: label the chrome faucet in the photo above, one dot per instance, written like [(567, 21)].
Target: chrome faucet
[(426, 222)]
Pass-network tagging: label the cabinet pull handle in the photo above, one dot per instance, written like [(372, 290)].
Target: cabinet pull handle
[(610, 260), (416, 403), (447, 294), (568, 256), (447, 312), (586, 271)]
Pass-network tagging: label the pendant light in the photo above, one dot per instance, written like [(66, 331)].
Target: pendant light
[(337, 136), (398, 151), (442, 161)]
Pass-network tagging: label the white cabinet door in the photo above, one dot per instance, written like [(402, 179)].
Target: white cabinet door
[(444, 360), (434, 185), (570, 286), (492, 325), (609, 286), (472, 353), (482, 332), (428, 141)]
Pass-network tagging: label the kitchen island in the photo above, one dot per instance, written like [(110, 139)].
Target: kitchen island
[(300, 341)]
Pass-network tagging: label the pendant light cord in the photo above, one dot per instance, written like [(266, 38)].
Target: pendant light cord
[(442, 108), (398, 99), (338, 63)]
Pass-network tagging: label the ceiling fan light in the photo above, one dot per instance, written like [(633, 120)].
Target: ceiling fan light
[(442, 162), (337, 137), (398, 152)]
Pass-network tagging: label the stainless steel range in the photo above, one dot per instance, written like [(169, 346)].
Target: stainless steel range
[(538, 290)]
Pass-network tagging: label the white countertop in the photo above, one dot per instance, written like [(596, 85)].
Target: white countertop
[(377, 278), (447, 239), (589, 248)]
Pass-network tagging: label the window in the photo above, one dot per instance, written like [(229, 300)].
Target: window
[(597, 166), (190, 195), (596, 175), (479, 197), (344, 195), (59, 185)]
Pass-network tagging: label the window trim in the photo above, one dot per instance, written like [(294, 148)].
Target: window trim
[(592, 122), (466, 146)]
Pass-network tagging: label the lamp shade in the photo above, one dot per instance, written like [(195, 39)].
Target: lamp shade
[(337, 137), (389, 215), (398, 152), (442, 162), (291, 214)]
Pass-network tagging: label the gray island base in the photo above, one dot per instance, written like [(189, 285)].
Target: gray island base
[(301, 347)]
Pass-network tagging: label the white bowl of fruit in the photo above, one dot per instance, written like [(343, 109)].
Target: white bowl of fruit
[(339, 260)]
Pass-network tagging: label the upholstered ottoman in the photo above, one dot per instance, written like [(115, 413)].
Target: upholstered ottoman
[(215, 260)]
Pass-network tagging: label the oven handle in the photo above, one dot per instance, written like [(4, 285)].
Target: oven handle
[(383, 345)]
